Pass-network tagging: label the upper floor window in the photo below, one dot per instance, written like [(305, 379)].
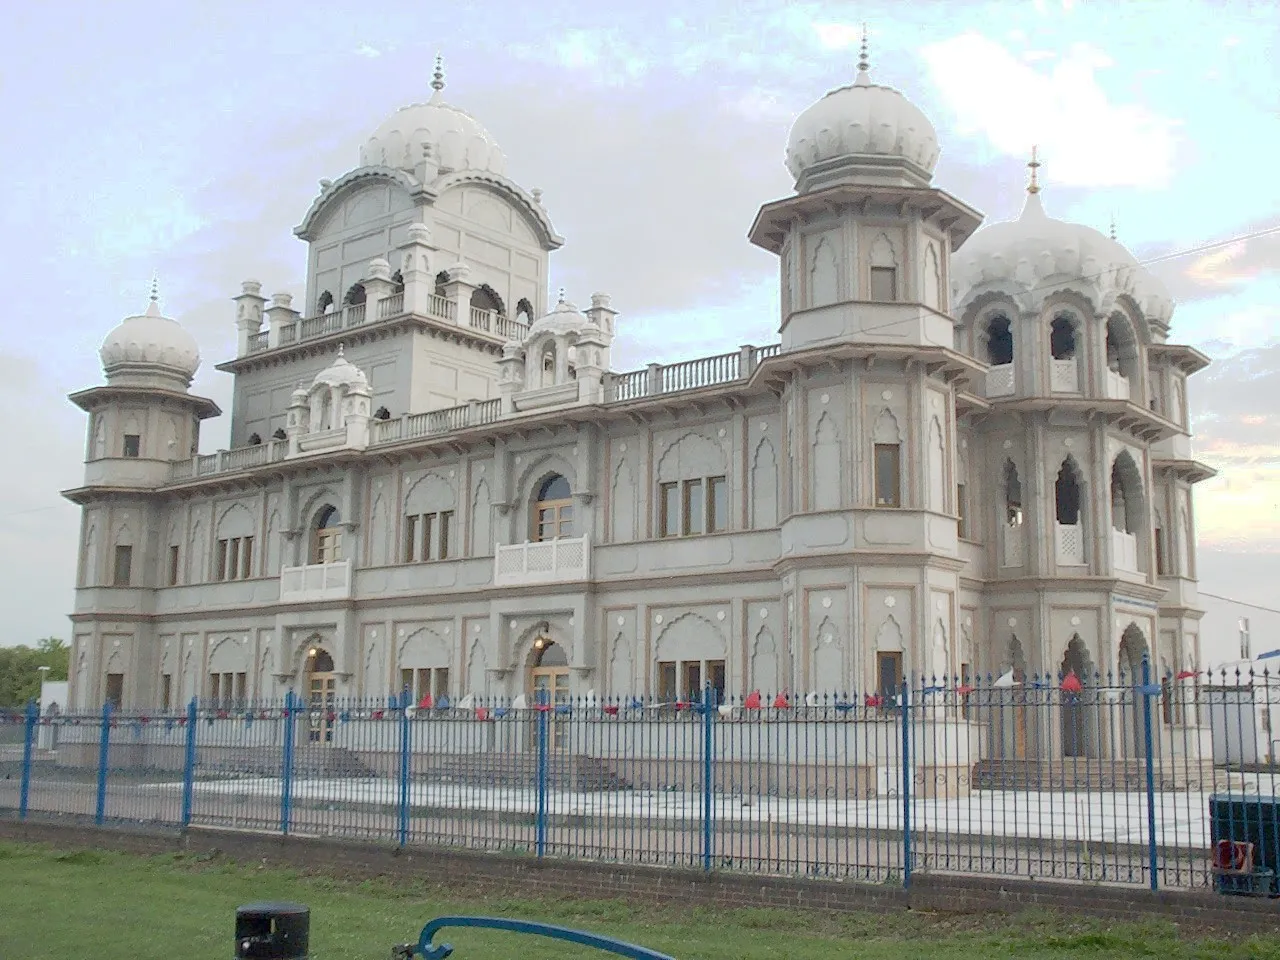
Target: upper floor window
[(884, 283), (132, 445), (115, 689), (397, 282), (123, 572), (234, 560), (692, 507), (175, 568), (553, 509), (888, 474), (999, 341), (355, 295), (326, 544), (427, 536), (1062, 338), (325, 303), (227, 690)]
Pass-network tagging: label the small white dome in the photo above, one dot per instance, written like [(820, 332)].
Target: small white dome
[(1037, 253), (153, 340), (457, 140), (564, 318), (342, 373), (863, 119)]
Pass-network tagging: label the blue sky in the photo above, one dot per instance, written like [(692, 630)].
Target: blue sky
[(188, 140)]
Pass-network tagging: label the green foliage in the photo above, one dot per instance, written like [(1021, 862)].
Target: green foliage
[(117, 906), (20, 669)]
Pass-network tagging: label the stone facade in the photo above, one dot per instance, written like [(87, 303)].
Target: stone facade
[(953, 463)]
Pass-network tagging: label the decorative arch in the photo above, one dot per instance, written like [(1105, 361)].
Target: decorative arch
[(887, 428), (691, 456), (823, 286), (354, 296), (937, 467), (621, 668), (940, 651), (764, 486), (690, 636), (324, 303), (934, 291), (531, 212), (484, 297), (997, 338), (1127, 501), (1064, 332), (235, 521), (889, 637), (1131, 654), (1079, 723), (379, 531), (89, 564), (1068, 492), (524, 311), (430, 493), (827, 664), (765, 672), (827, 467), (421, 649), (481, 520), (622, 503), (326, 535), (883, 270), (478, 669), (1122, 346), (553, 508)]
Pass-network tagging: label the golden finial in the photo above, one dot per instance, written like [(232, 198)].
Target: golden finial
[(864, 62), (1034, 186), (437, 78)]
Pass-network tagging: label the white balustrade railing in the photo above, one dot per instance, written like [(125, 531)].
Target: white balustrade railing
[(442, 308), (391, 306), (259, 341), (1117, 385), (1000, 381), (316, 581), (1068, 539), (1124, 550), (545, 561), (1064, 376), (482, 319)]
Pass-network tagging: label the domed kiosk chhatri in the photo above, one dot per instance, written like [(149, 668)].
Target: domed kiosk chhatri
[(969, 453)]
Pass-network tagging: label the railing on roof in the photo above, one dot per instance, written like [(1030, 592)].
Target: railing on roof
[(259, 341), (654, 380), (391, 306)]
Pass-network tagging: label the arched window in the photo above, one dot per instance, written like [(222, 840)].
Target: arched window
[(1126, 498), (524, 311), (325, 303), (397, 282), (279, 434), (1122, 358), (442, 278), (319, 661), (999, 341), (355, 295), (484, 297), (254, 439), (382, 413), (327, 539), (1062, 337), (1012, 495), (553, 509), (1066, 493)]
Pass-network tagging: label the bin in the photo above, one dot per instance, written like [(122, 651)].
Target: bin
[(272, 931)]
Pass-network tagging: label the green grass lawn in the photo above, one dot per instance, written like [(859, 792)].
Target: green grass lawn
[(112, 906)]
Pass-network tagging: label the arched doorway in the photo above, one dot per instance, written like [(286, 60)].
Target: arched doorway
[(549, 680), (1079, 708), (1010, 701), (553, 509), (321, 681), (1132, 654), (326, 541)]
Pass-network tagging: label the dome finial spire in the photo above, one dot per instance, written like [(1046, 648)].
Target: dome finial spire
[(561, 300), (864, 61), (1112, 232), (1034, 165), (155, 288), (437, 78)]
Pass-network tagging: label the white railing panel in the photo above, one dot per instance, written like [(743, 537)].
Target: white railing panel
[(1124, 550), (1000, 381), (547, 561), (1069, 544), (1065, 376), (316, 581), (1117, 385)]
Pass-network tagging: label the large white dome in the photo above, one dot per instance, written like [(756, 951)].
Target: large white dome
[(1037, 253), (457, 139), (862, 120), (152, 340)]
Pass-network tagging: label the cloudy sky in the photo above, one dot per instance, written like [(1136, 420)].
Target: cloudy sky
[(188, 139)]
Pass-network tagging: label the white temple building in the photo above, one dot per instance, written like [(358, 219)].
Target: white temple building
[(969, 453)]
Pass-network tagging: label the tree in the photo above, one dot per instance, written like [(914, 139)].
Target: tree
[(20, 669)]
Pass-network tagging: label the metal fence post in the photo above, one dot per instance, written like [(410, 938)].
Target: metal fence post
[(708, 812), (286, 776), (1151, 775), (905, 711), (405, 732), (28, 746), (189, 765), (104, 754), (541, 826)]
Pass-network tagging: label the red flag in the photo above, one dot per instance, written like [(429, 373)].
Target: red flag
[(753, 700), (482, 713), (780, 702), (1071, 683)]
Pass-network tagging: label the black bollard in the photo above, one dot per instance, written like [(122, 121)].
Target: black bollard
[(272, 931)]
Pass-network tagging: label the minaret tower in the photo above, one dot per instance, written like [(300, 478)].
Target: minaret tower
[(140, 422)]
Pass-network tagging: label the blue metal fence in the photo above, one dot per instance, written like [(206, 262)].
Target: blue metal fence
[(1097, 779)]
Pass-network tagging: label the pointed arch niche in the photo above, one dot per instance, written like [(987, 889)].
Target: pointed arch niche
[(1012, 528), (1128, 508), (827, 473), (823, 286), (1079, 719), (1068, 517), (886, 460)]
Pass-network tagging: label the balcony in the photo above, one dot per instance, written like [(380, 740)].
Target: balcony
[(546, 561), (1064, 376), (1117, 385), (1124, 551), (316, 581), (1000, 381), (1068, 541)]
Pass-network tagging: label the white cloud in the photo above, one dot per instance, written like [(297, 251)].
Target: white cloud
[(1085, 139), (368, 50), (838, 36)]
